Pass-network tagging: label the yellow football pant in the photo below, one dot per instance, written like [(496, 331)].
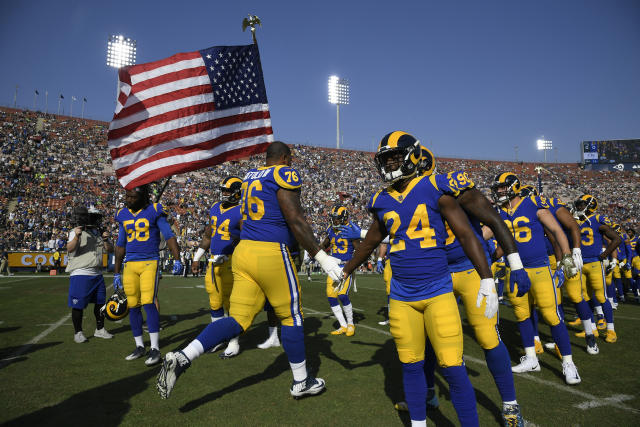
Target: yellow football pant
[(594, 278), (345, 289), (576, 289), (635, 262), (218, 281), (140, 282), (386, 275), (436, 318), (264, 269), (543, 293), (466, 285)]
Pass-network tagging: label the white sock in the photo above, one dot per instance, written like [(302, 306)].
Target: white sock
[(193, 350), (299, 370), (611, 301), (139, 342), (510, 402), (599, 310), (588, 327), (610, 327), (154, 337), (530, 352), (415, 423), (273, 333), (348, 312), (567, 359), (537, 338), (337, 311)]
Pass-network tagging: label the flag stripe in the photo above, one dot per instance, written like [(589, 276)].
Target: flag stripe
[(183, 149), (172, 133), (170, 78), (188, 163), (141, 68), (166, 69), (165, 88)]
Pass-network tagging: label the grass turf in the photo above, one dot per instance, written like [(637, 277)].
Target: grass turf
[(55, 381)]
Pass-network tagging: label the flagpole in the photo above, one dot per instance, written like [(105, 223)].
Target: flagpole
[(71, 107), (15, 97), (83, 101), (46, 101), (163, 188), (251, 22), (59, 102), (35, 94)]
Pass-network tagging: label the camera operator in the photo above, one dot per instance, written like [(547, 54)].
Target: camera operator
[(85, 247)]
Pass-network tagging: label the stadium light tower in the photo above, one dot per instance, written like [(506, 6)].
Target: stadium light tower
[(338, 95), (544, 144), (121, 51)]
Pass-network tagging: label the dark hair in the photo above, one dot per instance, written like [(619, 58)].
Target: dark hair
[(277, 149)]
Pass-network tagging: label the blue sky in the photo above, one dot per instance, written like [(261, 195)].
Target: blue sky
[(468, 78)]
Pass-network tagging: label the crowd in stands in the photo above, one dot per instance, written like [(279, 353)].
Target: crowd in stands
[(49, 164)]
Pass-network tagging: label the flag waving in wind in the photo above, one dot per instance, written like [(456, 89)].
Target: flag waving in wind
[(188, 112)]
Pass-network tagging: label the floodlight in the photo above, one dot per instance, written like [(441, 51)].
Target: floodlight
[(121, 51), (544, 145), (338, 90)]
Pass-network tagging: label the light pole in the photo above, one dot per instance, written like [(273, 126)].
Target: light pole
[(338, 95), (544, 144), (121, 52)]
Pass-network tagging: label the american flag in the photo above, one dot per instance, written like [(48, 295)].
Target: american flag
[(188, 112)]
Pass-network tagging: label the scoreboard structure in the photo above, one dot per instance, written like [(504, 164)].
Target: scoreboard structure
[(615, 154)]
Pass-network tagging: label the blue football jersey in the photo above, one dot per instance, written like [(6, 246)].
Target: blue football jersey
[(592, 242), (456, 258), (341, 248), (633, 243), (262, 219), (139, 232), (522, 220), (225, 228), (417, 239)]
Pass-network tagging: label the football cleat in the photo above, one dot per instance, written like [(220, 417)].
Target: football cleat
[(592, 346), (538, 346), (553, 347), (79, 337), (384, 322), (511, 416), (341, 330), (154, 357), (601, 324), (137, 354), (232, 350), (611, 336), (173, 365), (432, 399), (575, 322), (527, 364), (219, 346), (351, 330), (270, 342), (570, 372), (102, 333), (307, 387)]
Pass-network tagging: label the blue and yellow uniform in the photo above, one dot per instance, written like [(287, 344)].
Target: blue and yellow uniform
[(225, 232), (635, 259), (522, 220), (593, 275), (139, 233), (342, 249), (262, 264), (421, 296)]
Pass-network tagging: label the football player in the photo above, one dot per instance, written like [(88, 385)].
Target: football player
[(140, 224), (528, 218), (635, 263), (594, 228), (341, 248), (272, 220), (221, 235), (423, 311), (622, 269), (85, 248)]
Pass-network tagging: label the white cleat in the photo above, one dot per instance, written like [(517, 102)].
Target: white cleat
[(79, 338), (592, 346), (383, 322), (270, 342), (527, 364), (550, 346), (173, 365), (308, 387), (570, 372), (102, 333), (232, 350)]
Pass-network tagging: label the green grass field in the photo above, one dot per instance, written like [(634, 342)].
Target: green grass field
[(47, 379)]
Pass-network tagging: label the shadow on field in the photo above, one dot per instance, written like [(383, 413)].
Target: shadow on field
[(103, 405), (8, 352), (10, 329)]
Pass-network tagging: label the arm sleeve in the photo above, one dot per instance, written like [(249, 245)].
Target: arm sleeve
[(165, 228)]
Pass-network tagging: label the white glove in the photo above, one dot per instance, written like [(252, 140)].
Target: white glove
[(330, 265), (488, 291), (576, 253), (337, 288), (219, 259), (605, 263), (622, 264), (613, 263)]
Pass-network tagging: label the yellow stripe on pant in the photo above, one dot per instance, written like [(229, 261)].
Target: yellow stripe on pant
[(543, 293), (386, 275), (219, 284), (436, 318), (466, 285), (264, 269), (140, 282)]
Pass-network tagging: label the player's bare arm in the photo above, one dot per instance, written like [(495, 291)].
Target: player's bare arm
[(476, 204), (614, 240), (291, 208), (566, 219), (374, 236), (459, 223), (549, 222), (202, 248), (557, 251), (119, 253)]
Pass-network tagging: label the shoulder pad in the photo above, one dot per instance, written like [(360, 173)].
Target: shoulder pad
[(287, 177), (453, 183)]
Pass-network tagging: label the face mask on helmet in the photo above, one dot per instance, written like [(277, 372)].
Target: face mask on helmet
[(398, 157), (505, 187), (427, 164), (116, 307), (339, 217), (527, 191), (230, 190)]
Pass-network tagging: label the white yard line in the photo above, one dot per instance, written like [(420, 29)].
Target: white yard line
[(615, 401)]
